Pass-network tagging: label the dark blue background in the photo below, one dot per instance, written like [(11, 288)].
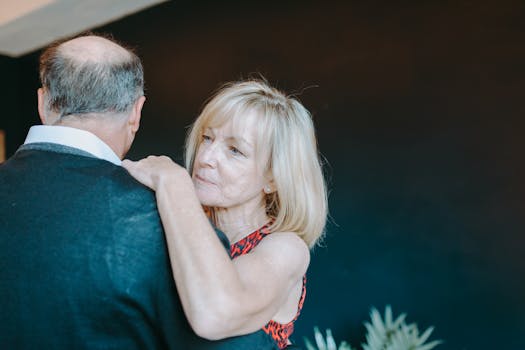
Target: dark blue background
[(419, 108)]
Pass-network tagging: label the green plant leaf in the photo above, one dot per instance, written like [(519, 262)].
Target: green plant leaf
[(374, 339), (382, 334), (377, 322), (325, 344), (330, 342), (319, 339), (344, 346), (388, 317), (425, 336), (430, 345), (309, 345)]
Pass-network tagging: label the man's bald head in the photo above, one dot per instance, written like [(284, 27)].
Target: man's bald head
[(90, 75), (93, 49)]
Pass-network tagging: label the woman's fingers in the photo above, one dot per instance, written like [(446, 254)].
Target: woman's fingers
[(152, 170), (139, 171)]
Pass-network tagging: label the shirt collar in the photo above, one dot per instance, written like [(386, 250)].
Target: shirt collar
[(72, 137)]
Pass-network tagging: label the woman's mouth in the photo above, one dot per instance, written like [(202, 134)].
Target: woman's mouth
[(204, 180)]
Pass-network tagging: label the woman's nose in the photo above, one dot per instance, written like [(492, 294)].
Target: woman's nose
[(208, 155)]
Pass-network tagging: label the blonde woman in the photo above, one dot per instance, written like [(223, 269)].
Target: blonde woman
[(254, 171)]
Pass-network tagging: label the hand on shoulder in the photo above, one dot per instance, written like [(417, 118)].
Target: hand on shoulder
[(154, 171)]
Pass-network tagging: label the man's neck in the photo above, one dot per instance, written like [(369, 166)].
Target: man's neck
[(110, 133)]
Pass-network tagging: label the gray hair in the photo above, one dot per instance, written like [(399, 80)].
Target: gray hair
[(76, 87)]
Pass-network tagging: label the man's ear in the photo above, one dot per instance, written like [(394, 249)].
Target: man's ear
[(41, 109), (136, 114)]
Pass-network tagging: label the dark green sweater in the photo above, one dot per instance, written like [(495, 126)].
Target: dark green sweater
[(83, 259)]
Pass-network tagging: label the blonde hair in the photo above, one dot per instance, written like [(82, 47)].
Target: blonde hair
[(299, 203)]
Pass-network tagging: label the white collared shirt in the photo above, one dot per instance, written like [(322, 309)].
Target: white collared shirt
[(71, 137)]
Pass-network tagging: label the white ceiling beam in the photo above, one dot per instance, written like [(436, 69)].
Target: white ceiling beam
[(44, 23)]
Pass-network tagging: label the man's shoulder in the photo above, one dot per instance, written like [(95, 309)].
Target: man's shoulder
[(82, 183), (120, 180), (64, 160)]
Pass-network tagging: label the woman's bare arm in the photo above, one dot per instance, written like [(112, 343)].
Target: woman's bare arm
[(220, 297)]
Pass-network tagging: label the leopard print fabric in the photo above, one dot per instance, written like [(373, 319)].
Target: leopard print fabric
[(278, 331)]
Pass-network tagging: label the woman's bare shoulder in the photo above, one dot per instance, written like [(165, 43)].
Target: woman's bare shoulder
[(285, 248)]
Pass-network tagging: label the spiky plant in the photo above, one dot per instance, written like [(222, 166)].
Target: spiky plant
[(389, 334), (327, 343)]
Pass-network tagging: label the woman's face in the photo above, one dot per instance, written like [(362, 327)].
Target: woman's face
[(226, 173)]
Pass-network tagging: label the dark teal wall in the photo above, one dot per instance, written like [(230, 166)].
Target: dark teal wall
[(9, 99), (419, 111)]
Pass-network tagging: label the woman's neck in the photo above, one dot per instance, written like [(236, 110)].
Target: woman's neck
[(239, 222)]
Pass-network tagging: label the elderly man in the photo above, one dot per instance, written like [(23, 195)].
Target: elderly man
[(83, 261)]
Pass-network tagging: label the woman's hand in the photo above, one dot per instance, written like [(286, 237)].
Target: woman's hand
[(153, 171)]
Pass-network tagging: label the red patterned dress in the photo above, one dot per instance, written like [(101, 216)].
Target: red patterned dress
[(278, 331)]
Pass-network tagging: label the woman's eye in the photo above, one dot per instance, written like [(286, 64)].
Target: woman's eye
[(235, 151), (206, 138)]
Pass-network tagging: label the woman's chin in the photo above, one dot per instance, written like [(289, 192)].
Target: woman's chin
[(208, 202)]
